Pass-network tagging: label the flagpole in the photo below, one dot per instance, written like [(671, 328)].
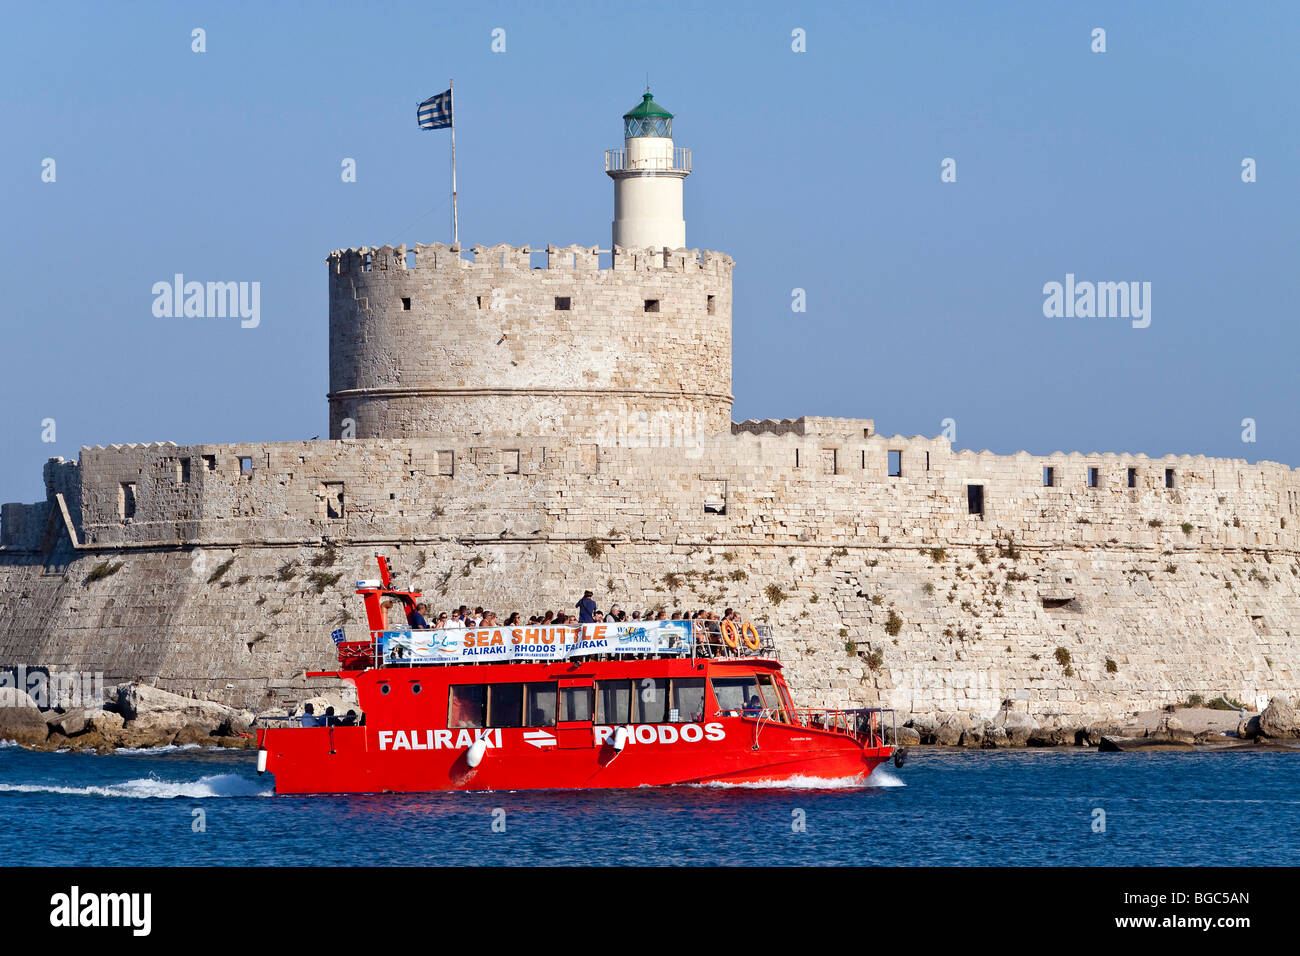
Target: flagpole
[(455, 217)]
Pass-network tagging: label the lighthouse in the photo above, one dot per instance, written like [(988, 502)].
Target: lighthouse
[(648, 173)]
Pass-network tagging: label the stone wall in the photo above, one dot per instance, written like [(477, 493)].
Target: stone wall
[(1074, 599), (493, 347)]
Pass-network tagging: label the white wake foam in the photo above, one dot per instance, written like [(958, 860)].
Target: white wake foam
[(217, 785), (879, 778)]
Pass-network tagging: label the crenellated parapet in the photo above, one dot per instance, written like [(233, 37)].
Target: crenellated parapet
[(366, 260)]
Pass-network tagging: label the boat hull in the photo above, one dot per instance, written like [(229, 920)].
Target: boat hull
[(729, 750)]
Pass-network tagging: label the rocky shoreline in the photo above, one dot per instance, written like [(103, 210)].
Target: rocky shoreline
[(139, 716), (1174, 728), (134, 716)]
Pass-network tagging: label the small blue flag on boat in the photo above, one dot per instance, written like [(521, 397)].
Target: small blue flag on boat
[(435, 112), (337, 635)]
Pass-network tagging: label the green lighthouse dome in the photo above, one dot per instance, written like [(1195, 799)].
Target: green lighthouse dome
[(647, 118)]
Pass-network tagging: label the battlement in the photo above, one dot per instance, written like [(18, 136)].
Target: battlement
[(438, 256)]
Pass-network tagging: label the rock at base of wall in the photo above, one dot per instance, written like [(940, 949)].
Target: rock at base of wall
[(1279, 719), (1248, 729), (907, 737), (20, 719), (1126, 744), (155, 718)]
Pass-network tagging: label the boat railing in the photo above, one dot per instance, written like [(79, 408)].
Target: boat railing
[(864, 723), (705, 642)]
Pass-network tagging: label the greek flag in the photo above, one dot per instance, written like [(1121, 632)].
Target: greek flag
[(435, 112), (337, 635)]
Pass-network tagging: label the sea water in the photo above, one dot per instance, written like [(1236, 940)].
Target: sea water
[(1034, 807)]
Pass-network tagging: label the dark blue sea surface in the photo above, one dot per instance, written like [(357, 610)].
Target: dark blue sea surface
[(967, 808)]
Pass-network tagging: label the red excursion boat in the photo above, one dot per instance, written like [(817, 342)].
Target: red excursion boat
[(646, 703)]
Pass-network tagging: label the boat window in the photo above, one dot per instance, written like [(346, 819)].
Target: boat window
[(575, 703), (467, 705), (687, 700), (613, 701), (737, 694), (650, 701), (771, 699), (540, 710), (505, 705)]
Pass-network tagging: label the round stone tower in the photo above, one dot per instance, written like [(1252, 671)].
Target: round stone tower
[(428, 343), (648, 174)]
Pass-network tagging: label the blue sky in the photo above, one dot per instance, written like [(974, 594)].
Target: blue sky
[(816, 170)]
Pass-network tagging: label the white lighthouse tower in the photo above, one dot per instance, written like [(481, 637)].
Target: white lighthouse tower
[(648, 173)]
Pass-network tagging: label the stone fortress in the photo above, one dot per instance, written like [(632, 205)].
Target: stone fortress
[(510, 432)]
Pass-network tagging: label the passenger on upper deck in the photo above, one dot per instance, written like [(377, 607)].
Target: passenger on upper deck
[(416, 617), (586, 609)]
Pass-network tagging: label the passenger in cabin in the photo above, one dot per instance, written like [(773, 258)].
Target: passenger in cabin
[(753, 708), (549, 617), (662, 615), (349, 719), (442, 620), (457, 620), (513, 619), (330, 720), (586, 609), (309, 718), (613, 615), (489, 619)]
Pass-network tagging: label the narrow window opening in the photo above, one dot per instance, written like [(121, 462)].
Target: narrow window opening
[(652, 305), (895, 464), (183, 471), (245, 465), (1169, 477), (1132, 477), (478, 300), (406, 303), (975, 500), (126, 500), (829, 461), (1049, 477), (563, 303), (710, 305), (1094, 477), (210, 461)]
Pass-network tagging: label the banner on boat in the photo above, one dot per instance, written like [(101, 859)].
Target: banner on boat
[(535, 643)]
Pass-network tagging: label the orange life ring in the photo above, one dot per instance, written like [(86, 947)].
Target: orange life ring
[(730, 636), (753, 643)]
